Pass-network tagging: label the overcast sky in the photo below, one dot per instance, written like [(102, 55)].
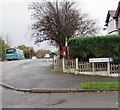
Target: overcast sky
[(15, 18)]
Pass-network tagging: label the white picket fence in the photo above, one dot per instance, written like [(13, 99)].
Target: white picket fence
[(73, 66), (114, 68)]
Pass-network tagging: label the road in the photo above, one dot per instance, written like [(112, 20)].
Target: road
[(13, 99), (38, 74)]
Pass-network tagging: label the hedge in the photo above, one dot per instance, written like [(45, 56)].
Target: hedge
[(95, 47)]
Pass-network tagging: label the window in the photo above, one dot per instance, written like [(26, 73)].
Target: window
[(9, 51)]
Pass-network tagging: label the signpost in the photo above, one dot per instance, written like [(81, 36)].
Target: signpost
[(95, 60)]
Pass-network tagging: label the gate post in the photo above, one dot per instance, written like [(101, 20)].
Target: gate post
[(63, 64), (76, 69)]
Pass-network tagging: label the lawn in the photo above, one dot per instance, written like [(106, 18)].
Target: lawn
[(99, 85)]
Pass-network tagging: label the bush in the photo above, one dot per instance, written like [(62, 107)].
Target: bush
[(95, 46)]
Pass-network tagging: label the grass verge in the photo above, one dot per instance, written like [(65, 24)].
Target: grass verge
[(99, 85)]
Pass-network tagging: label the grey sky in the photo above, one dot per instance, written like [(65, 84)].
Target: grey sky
[(15, 18)]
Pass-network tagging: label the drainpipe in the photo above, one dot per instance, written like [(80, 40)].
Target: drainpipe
[(119, 31)]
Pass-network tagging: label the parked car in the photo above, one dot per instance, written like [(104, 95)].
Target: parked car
[(47, 56), (34, 57)]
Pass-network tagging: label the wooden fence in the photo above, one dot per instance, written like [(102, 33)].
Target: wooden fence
[(114, 68), (73, 66), (94, 68), (57, 63)]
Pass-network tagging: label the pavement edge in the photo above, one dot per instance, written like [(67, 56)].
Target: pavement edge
[(40, 90)]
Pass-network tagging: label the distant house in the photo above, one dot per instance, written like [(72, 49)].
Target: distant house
[(113, 21)]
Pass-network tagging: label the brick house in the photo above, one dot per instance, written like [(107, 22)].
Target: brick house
[(113, 21)]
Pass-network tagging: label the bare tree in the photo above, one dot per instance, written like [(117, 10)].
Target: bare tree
[(87, 26), (56, 21), (4, 43), (7, 39)]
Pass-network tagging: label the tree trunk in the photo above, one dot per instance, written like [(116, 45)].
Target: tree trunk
[(60, 52)]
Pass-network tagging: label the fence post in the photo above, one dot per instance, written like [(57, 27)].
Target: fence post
[(76, 69), (93, 68), (63, 61), (108, 68)]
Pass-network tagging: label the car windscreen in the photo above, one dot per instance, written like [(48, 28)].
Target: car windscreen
[(9, 51)]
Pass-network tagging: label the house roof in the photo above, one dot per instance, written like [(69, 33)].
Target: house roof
[(117, 11), (111, 13)]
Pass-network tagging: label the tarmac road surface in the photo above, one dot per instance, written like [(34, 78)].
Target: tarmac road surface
[(13, 99), (38, 74)]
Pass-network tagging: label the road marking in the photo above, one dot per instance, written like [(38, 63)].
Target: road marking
[(26, 67)]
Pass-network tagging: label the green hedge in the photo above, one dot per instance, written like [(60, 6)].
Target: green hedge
[(95, 47)]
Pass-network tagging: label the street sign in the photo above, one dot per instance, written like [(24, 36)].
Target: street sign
[(91, 60)]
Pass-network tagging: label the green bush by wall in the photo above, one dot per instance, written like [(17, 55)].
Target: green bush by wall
[(95, 47)]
